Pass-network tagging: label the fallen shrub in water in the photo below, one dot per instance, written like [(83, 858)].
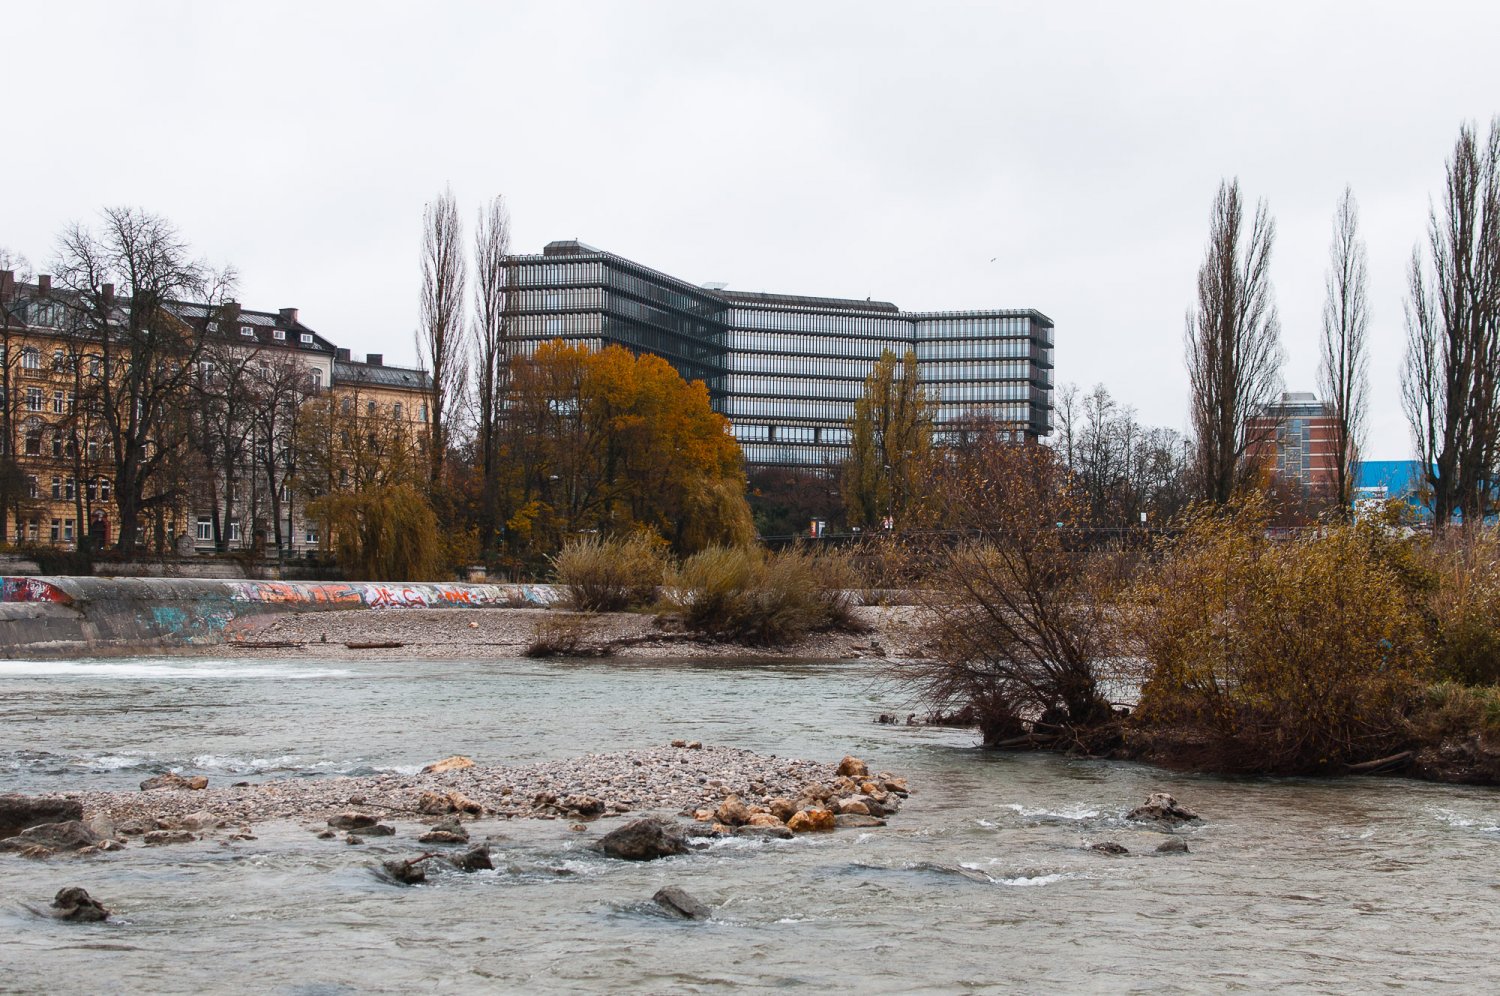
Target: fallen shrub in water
[(609, 574), (746, 595), (1277, 657)]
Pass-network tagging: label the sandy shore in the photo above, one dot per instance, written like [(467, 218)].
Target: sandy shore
[(436, 634)]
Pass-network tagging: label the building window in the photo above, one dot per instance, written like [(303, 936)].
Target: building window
[(70, 488), (96, 366), (286, 493), (104, 489), (279, 334), (423, 412), (317, 381), (57, 361), (346, 407), (68, 530), (246, 330), (343, 475), (57, 443), (369, 408), (205, 529), (311, 535), (234, 531), (58, 398), (32, 487), (31, 359), (306, 339), (34, 399), (57, 490), (56, 530), (33, 529), (396, 409)]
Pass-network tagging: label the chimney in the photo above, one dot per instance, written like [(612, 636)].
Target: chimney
[(107, 291), (7, 284), (229, 313), (289, 315), (375, 359), (44, 284), (341, 354)]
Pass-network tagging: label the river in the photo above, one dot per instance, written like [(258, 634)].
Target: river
[(981, 883)]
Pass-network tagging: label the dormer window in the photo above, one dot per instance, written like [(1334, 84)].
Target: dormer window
[(246, 330), (279, 334), (306, 338)]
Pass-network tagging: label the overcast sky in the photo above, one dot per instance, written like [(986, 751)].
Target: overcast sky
[(1057, 156)]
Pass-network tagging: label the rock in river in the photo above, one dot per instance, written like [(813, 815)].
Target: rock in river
[(644, 840), (76, 904), (17, 812), (474, 859), (680, 902), (49, 838), (455, 763), (1172, 845), (1162, 808), (352, 821)]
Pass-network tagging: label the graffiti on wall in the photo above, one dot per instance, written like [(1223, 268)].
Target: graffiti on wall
[(284, 593), (441, 596), (31, 590)]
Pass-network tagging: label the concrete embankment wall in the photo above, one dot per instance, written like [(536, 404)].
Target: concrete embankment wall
[(67, 616)]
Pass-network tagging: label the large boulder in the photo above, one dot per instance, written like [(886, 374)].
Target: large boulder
[(1162, 808), (50, 838), (17, 812), (644, 840), (472, 860), (352, 821), (732, 812), (172, 780), (853, 767)]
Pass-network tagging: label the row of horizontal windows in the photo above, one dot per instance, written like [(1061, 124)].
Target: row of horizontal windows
[(964, 328), (812, 345), (793, 387), (983, 349), (808, 366), (538, 274), (795, 455), (558, 325), (557, 299), (1007, 391), (756, 432), (691, 327), (877, 326), (778, 408), (976, 370)]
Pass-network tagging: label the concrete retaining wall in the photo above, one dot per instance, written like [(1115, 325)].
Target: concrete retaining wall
[(63, 616)]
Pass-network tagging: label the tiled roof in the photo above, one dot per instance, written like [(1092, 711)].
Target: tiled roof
[(348, 372)]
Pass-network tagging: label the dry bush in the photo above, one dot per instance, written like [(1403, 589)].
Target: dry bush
[(1450, 710), (746, 595), (1278, 657), (1021, 612), (610, 574), (563, 634), (1464, 601)]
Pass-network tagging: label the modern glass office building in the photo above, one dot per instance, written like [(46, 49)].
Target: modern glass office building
[(786, 370)]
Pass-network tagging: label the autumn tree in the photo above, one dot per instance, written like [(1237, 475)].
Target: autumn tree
[(225, 399), (1233, 345), (1452, 368), (491, 358), (123, 282), (890, 447), (440, 339), (1343, 370), (606, 442)]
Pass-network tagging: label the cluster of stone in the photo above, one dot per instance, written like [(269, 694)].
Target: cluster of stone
[(854, 798)]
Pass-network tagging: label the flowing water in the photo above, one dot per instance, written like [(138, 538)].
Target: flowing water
[(980, 883)]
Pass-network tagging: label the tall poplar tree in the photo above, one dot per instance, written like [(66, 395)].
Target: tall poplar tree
[(890, 447)]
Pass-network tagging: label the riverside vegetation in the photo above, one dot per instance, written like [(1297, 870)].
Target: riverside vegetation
[(1352, 646)]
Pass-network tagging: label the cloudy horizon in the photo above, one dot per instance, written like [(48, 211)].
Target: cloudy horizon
[(1059, 157)]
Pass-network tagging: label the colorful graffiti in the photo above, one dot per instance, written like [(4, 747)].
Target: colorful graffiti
[(14, 589), (442, 596), (291, 593)]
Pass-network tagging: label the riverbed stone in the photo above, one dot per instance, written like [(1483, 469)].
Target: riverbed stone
[(853, 806), (1109, 847), (644, 840), (853, 821), (457, 762), (446, 832), (407, 872), (732, 812), (853, 767), (156, 838), (75, 904), (51, 838), (777, 832), (1162, 808), (475, 859), (764, 820), (172, 780), (1172, 845), (377, 830), (17, 812), (681, 903), (352, 821), (811, 821)]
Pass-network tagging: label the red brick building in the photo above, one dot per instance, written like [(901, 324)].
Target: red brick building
[(1294, 441)]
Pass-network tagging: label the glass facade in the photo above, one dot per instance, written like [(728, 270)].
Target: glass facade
[(786, 370)]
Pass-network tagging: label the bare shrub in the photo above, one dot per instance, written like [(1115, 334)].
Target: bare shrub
[(563, 634), (610, 574), (1020, 613), (1279, 657), (746, 595)]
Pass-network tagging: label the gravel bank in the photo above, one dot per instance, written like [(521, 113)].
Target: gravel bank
[(436, 634), (667, 779)]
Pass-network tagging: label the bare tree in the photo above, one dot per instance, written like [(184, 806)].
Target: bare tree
[(1449, 381), (440, 336), (124, 282), (1233, 345), (491, 356), (1343, 373), (282, 387), (15, 271)]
